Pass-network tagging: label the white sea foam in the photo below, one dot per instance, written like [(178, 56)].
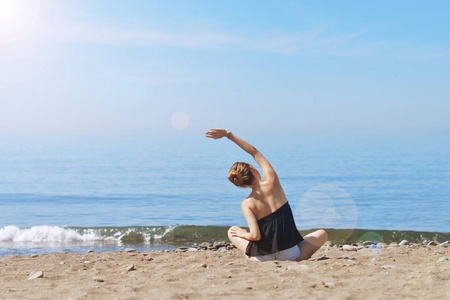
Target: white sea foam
[(44, 234)]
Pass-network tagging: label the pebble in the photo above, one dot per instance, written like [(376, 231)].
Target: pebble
[(179, 250), (91, 251), (222, 249), (388, 267), (204, 245), (87, 262), (129, 250), (192, 249), (404, 243), (431, 243), (349, 248), (130, 268), (443, 258), (367, 243), (328, 243), (33, 255), (98, 279), (36, 274), (394, 245), (298, 267), (439, 251), (444, 243), (220, 244), (329, 284), (382, 245)]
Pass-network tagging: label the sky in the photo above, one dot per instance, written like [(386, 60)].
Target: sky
[(90, 67)]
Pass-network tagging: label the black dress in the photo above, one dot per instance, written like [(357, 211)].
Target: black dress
[(278, 232)]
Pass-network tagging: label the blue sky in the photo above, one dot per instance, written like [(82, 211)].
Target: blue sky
[(259, 67)]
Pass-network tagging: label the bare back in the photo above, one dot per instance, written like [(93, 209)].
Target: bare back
[(267, 199)]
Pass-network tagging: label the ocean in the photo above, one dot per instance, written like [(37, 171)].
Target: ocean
[(71, 194)]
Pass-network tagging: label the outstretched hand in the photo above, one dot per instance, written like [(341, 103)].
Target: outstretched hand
[(216, 133)]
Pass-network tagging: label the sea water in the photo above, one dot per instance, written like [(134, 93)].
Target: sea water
[(69, 193)]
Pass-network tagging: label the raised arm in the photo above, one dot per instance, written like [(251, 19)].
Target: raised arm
[(268, 171)]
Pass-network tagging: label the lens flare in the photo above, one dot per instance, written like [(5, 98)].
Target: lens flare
[(326, 206), (180, 120), (17, 18)]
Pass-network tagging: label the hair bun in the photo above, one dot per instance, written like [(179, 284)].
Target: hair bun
[(236, 178)]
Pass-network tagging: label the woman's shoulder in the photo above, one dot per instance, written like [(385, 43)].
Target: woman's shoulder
[(249, 202)]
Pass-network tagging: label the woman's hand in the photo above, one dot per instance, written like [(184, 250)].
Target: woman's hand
[(238, 231), (216, 133)]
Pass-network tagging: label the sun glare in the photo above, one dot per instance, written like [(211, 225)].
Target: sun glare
[(17, 17)]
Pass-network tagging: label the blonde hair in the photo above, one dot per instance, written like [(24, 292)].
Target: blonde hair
[(241, 174)]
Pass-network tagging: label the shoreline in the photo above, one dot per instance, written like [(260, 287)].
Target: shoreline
[(409, 271), (47, 239)]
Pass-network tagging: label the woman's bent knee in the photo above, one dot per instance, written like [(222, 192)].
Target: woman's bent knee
[(229, 234)]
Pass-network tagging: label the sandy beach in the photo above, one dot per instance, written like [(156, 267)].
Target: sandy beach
[(411, 272)]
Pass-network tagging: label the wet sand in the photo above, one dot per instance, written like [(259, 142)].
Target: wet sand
[(411, 272)]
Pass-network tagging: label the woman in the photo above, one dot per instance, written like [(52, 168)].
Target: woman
[(273, 234)]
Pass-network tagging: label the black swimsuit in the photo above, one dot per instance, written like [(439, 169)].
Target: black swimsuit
[(278, 232)]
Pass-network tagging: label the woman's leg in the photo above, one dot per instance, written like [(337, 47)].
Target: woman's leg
[(311, 243), (240, 243)]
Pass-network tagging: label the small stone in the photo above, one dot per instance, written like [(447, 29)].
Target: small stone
[(179, 250), (166, 251), (444, 243), (203, 266), (431, 243), (388, 267), (36, 274), (87, 262), (192, 249), (367, 243), (222, 249), (394, 245), (91, 251), (329, 285), (230, 247), (348, 248), (204, 245), (298, 267), (130, 268), (33, 255), (219, 244), (98, 279), (128, 250), (404, 243), (443, 258), (328, 244), (382, 245)]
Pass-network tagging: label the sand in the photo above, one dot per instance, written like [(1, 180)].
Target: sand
[(411, 272)]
